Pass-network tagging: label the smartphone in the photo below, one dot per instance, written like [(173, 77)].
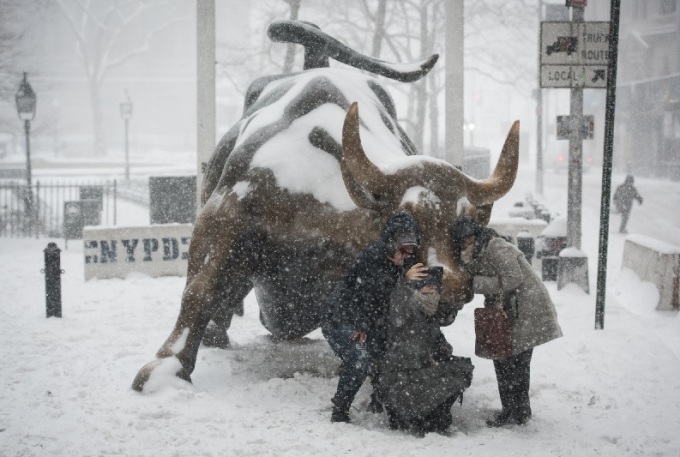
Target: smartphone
[(433, 278)]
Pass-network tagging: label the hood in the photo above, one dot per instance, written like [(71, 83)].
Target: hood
[(401, 229)]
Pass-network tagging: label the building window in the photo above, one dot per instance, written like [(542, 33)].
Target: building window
[(640, 9), (671, 125), (668, 6)]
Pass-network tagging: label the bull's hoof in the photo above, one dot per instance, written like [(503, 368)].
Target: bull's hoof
[(216, 337), (157, 370)]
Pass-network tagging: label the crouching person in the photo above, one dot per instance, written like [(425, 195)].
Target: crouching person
[(353, 317), (420, 379)]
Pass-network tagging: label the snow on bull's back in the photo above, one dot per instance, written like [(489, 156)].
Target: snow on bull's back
[(300, 167)]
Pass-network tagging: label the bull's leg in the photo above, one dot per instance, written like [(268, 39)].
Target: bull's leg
[(216, 335), (213, 257)]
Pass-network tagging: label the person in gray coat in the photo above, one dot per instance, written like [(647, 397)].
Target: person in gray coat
[(498, 266), (420, 378)]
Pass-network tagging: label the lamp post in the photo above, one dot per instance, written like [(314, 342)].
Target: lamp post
[(471, 127), (126, 114), (26, 101)]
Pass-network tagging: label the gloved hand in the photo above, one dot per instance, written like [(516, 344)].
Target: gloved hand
[(428, 301)]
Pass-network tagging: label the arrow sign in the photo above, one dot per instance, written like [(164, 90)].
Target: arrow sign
[(574, 76)]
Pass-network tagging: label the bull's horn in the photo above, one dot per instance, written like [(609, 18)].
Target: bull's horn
[(431, 173), (363, 170), (503, 177)]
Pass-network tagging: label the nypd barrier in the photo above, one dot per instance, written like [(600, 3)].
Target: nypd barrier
[(163, 249), (156, 250), (656, 262)]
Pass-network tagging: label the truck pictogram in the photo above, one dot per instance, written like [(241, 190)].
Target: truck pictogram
[(566, 44)]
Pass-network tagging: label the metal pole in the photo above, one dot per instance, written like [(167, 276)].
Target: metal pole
[(29, 201), (575, 184), (539, 111), (115, 200), (205, 90), (27, 129), (607, 162), (127, 152), (454, 89), (29, 196)]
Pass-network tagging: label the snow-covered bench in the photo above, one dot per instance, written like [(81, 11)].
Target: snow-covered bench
[(657, 262)]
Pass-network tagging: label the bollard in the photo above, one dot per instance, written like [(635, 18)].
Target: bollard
[(675, 300), (525, 243), (53, 274)]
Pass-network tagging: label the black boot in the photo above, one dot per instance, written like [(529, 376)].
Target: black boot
[(340, 411), (505, 417), (396, 423), (522, 414)]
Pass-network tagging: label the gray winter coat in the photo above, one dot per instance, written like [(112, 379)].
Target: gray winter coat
[(414, 384), (534, 318)]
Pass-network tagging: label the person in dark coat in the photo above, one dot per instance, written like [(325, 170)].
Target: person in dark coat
[(623, 199), (502, 273), (420, 378), (353, 317)]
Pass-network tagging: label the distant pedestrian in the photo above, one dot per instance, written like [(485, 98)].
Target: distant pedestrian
[(623, 200)]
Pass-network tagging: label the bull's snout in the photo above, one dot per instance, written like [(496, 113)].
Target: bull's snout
[(457, 287)]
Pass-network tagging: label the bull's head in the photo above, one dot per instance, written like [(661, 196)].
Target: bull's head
[(433, 190)]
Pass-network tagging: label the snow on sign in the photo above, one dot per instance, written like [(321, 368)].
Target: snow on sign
[(574, 54)]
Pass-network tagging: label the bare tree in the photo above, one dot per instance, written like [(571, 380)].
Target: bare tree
[(14, 59), (102, 30), (500, 42), (499, 47), (379, 20), (239, 62)]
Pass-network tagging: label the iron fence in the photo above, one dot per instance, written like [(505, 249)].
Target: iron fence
[(39, 210)]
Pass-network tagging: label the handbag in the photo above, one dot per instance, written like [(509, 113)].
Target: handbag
[(493, 331)]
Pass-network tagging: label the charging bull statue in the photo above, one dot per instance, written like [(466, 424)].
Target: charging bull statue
[(302, 183)]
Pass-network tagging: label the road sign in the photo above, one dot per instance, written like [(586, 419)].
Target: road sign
[(574, 43), (586, 129), (574, 76)]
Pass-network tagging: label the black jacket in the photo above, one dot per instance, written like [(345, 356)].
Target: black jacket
[(362, 298), (625, 194)]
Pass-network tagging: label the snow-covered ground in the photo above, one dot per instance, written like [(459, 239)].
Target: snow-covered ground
[(65, 383)]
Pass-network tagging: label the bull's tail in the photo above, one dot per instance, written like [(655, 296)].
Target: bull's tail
[(319, 47)]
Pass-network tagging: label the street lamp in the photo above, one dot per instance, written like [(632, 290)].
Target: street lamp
[(126, 114), (471, 127), (26, 100)]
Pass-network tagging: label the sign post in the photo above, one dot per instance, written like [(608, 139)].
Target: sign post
[(607, 164), (575, 55)]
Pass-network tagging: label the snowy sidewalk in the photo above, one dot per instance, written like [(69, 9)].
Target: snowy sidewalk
[(65, 383)]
